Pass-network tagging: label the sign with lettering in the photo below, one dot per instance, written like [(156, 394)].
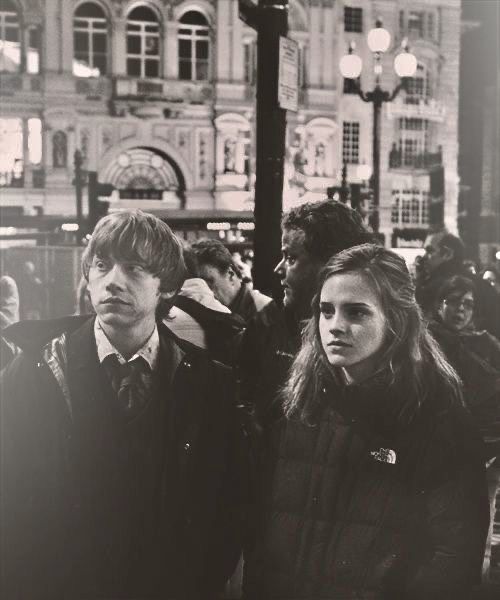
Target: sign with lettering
[(288, 81)]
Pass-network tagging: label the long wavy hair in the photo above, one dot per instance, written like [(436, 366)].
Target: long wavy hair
[(410, 359)]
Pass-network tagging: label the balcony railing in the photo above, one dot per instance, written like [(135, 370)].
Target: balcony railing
[(18, 179), (429, 109), (12, 179), (13, 83), (424, 160), (162, 90)]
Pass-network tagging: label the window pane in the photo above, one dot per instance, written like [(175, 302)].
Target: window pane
[(201, 49), (142, 13), (184, 48), (134, 67), (185, 70), (152, 46), (89, 9), (202, 71), (99, 42), (11, 34), (81, 41), (193, 17), (100, 62), (152, 68), (133, 44)]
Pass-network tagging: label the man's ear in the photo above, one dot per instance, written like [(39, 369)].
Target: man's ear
[(447, 253)]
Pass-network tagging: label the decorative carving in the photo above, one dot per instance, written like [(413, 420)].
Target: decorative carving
[(127, 130), (106, 138)]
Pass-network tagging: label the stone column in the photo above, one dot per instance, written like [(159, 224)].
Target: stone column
[(119, 46)]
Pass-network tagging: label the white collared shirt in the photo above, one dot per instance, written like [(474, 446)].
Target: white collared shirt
[(149, 351)]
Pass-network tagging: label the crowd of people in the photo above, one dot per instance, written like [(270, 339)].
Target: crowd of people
[(185, 430)]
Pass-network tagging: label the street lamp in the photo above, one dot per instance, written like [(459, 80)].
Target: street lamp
[(405, 65)]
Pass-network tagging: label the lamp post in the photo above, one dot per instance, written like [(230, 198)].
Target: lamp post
[(405, 65)]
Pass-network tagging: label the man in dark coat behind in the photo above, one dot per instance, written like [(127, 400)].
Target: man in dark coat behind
[(311, 234), (123, 466)]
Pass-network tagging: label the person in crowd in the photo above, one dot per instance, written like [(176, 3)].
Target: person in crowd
[(9, 301), (444, 257), (491, 276), (9, 314), (311, 234), (223, 276), (31, 292), (198, 317), (476, 357), (123, 468), (374, 484)]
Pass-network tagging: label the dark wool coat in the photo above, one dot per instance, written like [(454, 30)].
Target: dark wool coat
[(44, 517), (359, 507)]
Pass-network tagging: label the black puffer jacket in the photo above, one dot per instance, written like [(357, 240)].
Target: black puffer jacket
[(357, 507)]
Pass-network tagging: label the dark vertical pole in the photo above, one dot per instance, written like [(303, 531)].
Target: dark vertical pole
[(375, 217), (78, 161), (270, 147)]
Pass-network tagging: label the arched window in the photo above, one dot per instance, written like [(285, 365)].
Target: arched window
[(194, 47), (10, 37), (90, 39), (143, 43)]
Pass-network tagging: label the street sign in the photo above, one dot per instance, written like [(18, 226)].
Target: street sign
[(288, 81)]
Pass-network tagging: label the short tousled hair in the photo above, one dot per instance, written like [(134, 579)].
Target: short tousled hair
[(214, 253), (329, 226), (136, 236), (453, 243)]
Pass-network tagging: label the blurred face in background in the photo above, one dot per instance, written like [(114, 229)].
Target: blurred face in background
[(457, 310), (435, 255), (298, 271)]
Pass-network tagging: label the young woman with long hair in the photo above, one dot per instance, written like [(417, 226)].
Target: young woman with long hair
[(374, 483)]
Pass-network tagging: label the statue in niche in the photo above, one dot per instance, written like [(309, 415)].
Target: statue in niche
[(84, 143), (319, 160), (59, 149), (230, 155)]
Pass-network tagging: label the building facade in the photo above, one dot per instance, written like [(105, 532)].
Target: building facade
[(159, 98)]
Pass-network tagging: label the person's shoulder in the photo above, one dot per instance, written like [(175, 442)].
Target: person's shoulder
[(193, 356), (260, 299), (32, 336)]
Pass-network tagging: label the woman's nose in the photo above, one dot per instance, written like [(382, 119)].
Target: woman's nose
[(337, 322)]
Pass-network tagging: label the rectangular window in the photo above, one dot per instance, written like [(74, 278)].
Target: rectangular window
[(350, 142), (410, 207), (250, 61), (416, 23), (413, 142), (353, 19), (33, 58)]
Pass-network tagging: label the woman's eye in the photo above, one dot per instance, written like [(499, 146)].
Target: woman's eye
[(100, 264), (357, 313), (290, 259), (327, 312)]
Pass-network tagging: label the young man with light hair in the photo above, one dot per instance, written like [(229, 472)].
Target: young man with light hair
[(122, 469)]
